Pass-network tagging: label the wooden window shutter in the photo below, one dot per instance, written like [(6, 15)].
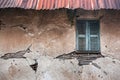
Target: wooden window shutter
[(88, 35)]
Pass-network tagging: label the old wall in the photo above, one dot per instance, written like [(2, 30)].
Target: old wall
[(55, 69), (109, 29), (110, 34), (49, 32)]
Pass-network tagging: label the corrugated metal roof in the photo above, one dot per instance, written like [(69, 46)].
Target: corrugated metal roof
[(56, 4)]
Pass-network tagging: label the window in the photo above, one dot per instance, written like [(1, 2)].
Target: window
[(88, 39)]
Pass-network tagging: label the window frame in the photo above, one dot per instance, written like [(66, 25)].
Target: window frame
[(88, 45)]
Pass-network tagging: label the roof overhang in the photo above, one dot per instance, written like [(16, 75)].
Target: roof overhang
[(56, 4)]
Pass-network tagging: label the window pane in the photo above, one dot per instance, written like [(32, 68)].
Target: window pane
[(94, 44), (82, 44), (81, 27), (94, 27)]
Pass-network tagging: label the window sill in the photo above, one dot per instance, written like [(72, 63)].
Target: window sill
[(88, 52)]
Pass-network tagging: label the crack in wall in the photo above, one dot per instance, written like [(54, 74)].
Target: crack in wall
[(18, 54), (97, 66), (24, 28), (2, 24), (21, 26), (34, 66)]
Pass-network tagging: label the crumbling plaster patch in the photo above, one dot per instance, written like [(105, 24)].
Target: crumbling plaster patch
[(60, 71), (49, 68)]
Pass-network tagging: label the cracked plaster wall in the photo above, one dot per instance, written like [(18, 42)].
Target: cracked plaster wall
[(109, 29), (51, 34), (55, 69), (110, 34)]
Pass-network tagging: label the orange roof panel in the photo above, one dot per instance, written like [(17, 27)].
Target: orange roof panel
[(56, 4)]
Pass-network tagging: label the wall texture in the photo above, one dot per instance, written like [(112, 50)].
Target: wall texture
[(48, 34), (110, 34), (109, 29)]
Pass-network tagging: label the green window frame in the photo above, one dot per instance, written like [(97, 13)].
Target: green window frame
[(88, 35)]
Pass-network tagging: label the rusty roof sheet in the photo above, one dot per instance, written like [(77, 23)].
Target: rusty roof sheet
[(56, 4)]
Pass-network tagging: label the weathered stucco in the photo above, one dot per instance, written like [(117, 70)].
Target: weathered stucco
[(109, 29), (55, 69), (110, 34), (49, 34)]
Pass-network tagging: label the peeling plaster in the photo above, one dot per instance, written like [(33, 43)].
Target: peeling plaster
[(19, 54), (54, 36), (83, 58)]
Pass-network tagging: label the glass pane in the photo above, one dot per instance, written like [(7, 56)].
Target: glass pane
[(81, 27), (82, 44), (94, 44), (94, 27)]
